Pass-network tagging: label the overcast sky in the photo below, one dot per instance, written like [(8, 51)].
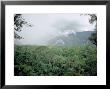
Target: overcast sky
[(48, 26)]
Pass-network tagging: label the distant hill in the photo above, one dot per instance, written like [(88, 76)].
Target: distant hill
[(71, 39)]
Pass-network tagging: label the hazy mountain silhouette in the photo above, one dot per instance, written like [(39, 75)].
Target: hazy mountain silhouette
[(78, 38)]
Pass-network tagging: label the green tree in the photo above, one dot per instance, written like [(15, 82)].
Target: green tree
[(93, 20), (19, 22), (93, 37)]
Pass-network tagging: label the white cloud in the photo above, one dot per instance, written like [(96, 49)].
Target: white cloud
[(48, 26)]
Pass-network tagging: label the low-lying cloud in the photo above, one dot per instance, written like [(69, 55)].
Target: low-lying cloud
[(49, 26)]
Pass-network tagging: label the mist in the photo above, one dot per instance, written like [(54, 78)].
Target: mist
[(49, 26)]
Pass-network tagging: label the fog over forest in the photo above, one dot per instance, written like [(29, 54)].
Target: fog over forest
[(46, 27)]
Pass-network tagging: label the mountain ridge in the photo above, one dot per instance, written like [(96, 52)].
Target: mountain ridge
[(78, 38)]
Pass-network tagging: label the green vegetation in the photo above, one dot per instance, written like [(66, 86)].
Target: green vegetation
[(55, 61)]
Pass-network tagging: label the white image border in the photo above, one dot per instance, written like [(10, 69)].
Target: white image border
[(100, 79)]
